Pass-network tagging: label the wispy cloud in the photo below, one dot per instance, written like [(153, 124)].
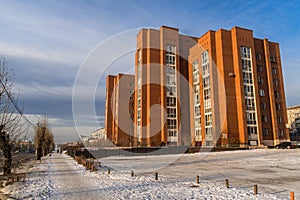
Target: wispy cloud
[(46, 42)]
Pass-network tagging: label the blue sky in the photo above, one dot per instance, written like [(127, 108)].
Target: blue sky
[(45, 42)]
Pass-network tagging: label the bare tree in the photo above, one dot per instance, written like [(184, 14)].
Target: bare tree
[(44, 142), (10, 120)]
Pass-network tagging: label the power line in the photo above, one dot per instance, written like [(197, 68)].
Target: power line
[(15, 104)]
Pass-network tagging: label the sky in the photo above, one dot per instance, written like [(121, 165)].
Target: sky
[(47, 43)]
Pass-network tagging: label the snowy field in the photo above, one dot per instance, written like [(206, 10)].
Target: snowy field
[(276, 172)]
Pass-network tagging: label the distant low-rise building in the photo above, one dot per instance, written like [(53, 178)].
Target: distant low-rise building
[(99, 134), (293, 112), (84, 139)]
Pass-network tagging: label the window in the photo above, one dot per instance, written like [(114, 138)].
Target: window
[(171, 70), (260, 80), (275, 82), (252, 130), (259, 68), (265, 131), (278, 107), (262, 92), (170, 49), (197, 110), (258, 56), (206, 82), (172, 133), (139, 71), (139, 92), (170, 59), (245, 52), (170, 80), (248, 90), (195, 71), (246, 65), (139, 114), (206, 94), (247, 77), (277, 95), (274, 70), (250, 104), (279, 119), (171, 123), (208, 120), (139, 57), (207, 106), (280, 132), (171, 112), (198, 132), (171, 101), (205, 69), (205, 57), (131, 96), (251, 119), (208, 130), (196, 94), (263, 106), (272, 59), (264, 118), (171, 90)]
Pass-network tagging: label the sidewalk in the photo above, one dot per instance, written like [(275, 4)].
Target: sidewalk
[(55, 177)]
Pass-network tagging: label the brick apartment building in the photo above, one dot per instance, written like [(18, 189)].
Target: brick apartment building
[(238, 94), (119, 109), (161, 87), (222, 89)]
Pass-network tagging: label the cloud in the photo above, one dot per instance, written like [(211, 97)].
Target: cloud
[(33, 31), (41, 54), (45, 43), (63, 128)]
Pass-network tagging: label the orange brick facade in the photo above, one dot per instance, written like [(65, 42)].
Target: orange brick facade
[(161, 87), (227, 90), (119, 112), (230, 84)]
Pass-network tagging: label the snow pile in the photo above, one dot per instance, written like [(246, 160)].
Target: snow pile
[(60, 177)]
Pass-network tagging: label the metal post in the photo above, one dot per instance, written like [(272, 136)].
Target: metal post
[(255, 189), (156, 176), (197, 179), (227, 183)]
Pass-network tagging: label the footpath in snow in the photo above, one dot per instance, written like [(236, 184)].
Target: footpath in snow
[(60, 177)]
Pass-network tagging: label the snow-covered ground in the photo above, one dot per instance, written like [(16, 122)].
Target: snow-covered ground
[(276, 172)]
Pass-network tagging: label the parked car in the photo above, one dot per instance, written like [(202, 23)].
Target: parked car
[(295, 144), (284, 145)]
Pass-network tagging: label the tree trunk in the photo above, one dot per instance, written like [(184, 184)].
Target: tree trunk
[(6, 148), (7, 160), (39, 152)]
